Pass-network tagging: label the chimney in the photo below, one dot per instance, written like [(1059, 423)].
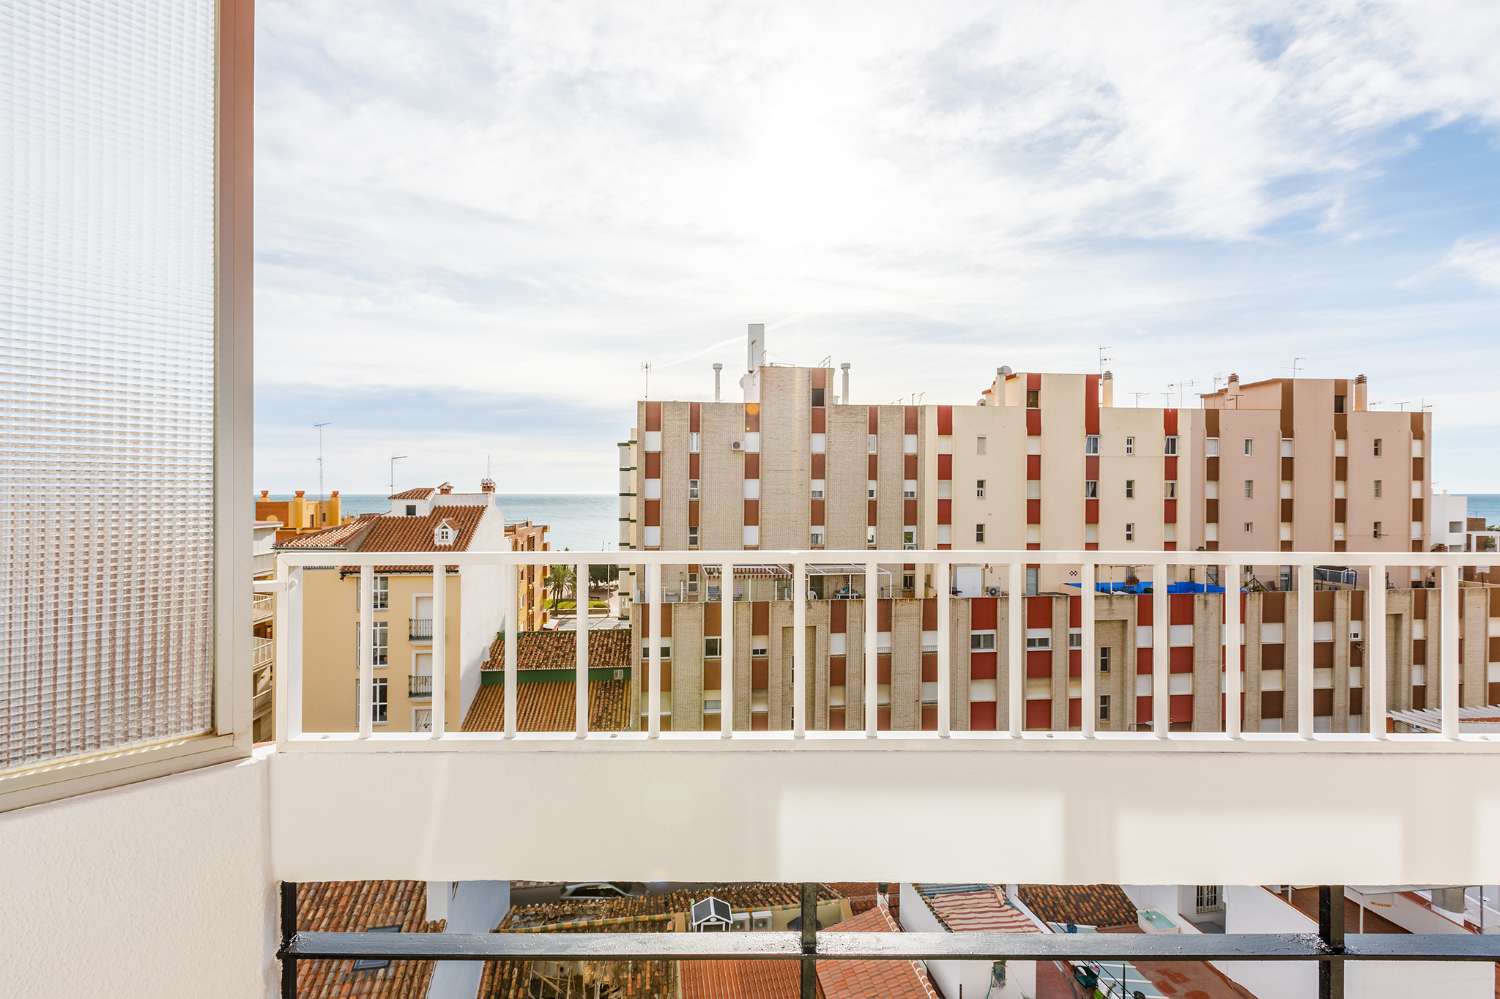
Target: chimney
[(335, 508), (265, 494), (1107, 390), (486, 485), (718, 371), (844, 397), (755, 354), (446, 488), (1361, 394)]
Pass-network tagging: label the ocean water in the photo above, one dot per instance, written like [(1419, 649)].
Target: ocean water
[(1486, 505), (579, 521)]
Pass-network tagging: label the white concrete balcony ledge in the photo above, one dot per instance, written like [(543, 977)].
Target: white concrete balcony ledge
[(802, 805)]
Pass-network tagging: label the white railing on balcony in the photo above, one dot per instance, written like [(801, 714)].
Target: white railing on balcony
[(1153, 567), (262, 606)]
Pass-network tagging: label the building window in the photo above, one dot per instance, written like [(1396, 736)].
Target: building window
[(1033, 580), (909, 538), (1249, 489), (982, 641), (1104, 707), (872, 443), (1130, 445), (981, 445), (693, 489), (1454, 526), (695, 441), (1091, 444), (411, 509), (380, 593), (1169, 445), (1130, 489), (1090, 488), (1207, 898), (713, 647), (1249, 527), (382, 642), (1211, 447), (1075, 639), (1249, 446), (1038, 643), (908, 581), (870, 537), (1130, 532), (979, 533), (380, 700), (817, 536), (1377, 447), (1338, 404), (1377, 489), (1104, 658), (909, 489), (870, 489), (818, 488), (692, 584), (760, 647), (1169, 489), (817, 397), (979, 489), (1033, 399), (819, 443), (1376, 529), (909, 444), (692, 537)]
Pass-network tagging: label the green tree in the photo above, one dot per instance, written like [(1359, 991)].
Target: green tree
[(562, 581)]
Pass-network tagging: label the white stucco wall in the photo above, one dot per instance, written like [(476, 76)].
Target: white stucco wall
[(1252, 909), (965, 978), (161, 888), (469, 907)]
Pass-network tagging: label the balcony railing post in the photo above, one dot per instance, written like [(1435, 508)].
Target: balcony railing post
[(726, 649), (288, 933), (872, 649), (944, 650), (1448, 649), (581, 650), (366, 650), (653, 691), (1161, 650), (1375, 665), (439, 650), (1331, 935), (1088, 713), (508, 588), (1015, 644), (809, 960), (1232, 684), (799, 648), (1305, 590)]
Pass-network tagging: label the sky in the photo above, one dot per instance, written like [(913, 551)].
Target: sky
[(476, 221)]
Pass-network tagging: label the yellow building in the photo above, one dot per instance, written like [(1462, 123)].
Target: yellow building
[(429, 520), (300, 515), (531, 580)]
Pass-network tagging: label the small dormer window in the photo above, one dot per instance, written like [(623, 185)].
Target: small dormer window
[(443, 535), (411, 509)]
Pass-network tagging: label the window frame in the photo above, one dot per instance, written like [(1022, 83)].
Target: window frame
[(233, 436)]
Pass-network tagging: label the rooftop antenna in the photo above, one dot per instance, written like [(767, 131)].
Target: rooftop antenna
[(1403, 404), (1103, 360), (395, 458), (1296, 363), (319, 427), (1138, 398), (1190, 383), (646, 367), (1218, 377)]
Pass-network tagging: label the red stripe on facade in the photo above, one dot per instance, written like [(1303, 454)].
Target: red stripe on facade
[(1033, 423), (1038, 612), (1033, 511), (1169, 422), (653, 416), (1034, 467), (1091, 511), (1091, 404), (945, 467), (695, 417), (945, 421), (945, 511)]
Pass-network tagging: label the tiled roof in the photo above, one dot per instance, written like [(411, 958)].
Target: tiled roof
[(739, 979), (337, 536), (548, 707), (963, 908), (421, 492), (1081, 905), (609, 648), (869, 979), (391, 533), (354, 906)]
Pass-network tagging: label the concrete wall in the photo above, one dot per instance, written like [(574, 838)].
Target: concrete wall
[(161, 888)]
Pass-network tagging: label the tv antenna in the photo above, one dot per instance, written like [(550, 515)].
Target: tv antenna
[(1103, 359), (319, 427), (395, 458), (646, 369)]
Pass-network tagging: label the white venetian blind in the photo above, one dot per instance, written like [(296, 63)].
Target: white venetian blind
[(106, 374)]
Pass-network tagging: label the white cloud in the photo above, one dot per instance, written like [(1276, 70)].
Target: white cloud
[(541, 196), (1477, 258)]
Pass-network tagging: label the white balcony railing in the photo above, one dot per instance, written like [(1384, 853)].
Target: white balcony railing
[(1150, 566)]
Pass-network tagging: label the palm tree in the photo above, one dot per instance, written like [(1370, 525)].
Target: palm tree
[(561, 581)]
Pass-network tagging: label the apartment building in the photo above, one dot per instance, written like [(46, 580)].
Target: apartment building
[(435, 519), (300, 515), (1042, 461), (531, 582)]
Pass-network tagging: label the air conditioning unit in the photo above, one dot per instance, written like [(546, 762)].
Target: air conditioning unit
[(760, 919), (736, 445)]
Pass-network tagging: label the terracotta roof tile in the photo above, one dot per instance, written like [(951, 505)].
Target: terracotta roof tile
[(421, 492), (354, 906), (548, 707), (740, 979), (970, 907), (1081, 905), (609, 648), (391, 533), (872, 979), (337, 536)]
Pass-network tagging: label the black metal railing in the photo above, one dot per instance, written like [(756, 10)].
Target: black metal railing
[(420, 629), (420, 685), (1330, 947)]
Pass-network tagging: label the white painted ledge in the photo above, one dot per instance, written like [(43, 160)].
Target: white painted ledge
[(1139, 811)]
